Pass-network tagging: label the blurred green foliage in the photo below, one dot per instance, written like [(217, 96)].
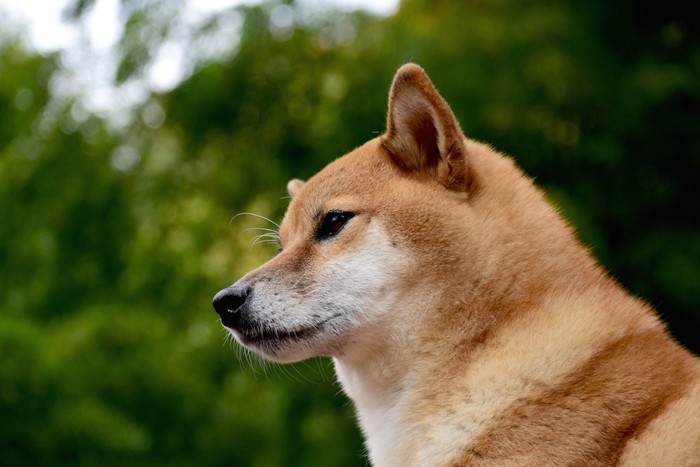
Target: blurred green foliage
[(112, 243)]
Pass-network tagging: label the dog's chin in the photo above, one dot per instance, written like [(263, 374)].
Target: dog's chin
[(285, 355), (282, 346)]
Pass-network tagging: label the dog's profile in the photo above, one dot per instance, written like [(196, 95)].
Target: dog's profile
[(466, 322)]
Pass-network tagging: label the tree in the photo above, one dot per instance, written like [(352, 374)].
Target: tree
[(114, 241)]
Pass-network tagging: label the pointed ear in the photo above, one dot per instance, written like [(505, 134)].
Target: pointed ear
[(294, 186), (423, 135)]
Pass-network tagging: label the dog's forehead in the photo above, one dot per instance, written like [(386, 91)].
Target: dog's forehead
[(336, 186)]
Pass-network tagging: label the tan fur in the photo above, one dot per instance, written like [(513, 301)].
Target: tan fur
[(468, 324)]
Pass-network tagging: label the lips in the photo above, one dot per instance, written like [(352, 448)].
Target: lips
[(251, 335), (255, 333)]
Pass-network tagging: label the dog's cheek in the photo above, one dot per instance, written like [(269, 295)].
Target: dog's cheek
[(362, 281)]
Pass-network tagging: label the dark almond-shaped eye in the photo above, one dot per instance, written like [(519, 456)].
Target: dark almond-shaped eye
[(332, 223)]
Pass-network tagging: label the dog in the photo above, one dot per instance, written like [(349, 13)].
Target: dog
[(466, 322)]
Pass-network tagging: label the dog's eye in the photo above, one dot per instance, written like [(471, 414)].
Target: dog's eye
[(332, 223)]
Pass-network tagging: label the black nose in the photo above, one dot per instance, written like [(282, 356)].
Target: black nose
[(229, 302)]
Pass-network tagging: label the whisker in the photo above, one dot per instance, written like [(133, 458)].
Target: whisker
[(260, 228), (254, 215), (272, 235), (266, 238), (302, 276)]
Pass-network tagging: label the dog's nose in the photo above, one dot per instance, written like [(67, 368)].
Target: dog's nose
[(228, 303)]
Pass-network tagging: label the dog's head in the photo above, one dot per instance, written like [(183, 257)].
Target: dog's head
[(368, 242)]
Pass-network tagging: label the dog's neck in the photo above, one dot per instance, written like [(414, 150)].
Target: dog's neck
[(377, 388), (385, 377), (404, 392)]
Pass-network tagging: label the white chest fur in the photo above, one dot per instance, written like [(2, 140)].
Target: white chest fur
[(382, 415)]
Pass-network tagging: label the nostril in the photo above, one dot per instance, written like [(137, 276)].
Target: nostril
[(230, 299)]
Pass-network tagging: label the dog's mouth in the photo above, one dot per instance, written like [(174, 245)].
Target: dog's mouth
[(259, 334), (262, 334)]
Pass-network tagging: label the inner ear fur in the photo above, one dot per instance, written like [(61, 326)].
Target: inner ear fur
[(423, 135)]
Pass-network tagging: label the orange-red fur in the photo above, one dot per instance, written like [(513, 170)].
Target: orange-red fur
[(505, 343)]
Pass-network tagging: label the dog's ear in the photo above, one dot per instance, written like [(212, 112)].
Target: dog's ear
[(423, 135), (294, 186)]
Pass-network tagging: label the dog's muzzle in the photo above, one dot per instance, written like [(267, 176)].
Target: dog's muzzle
[(230, 304)]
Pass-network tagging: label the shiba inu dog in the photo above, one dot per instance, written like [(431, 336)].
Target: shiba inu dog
[(466, 322)]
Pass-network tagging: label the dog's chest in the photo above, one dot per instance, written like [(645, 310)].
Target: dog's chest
[(379, 411), (383, 418), (394, 434)]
